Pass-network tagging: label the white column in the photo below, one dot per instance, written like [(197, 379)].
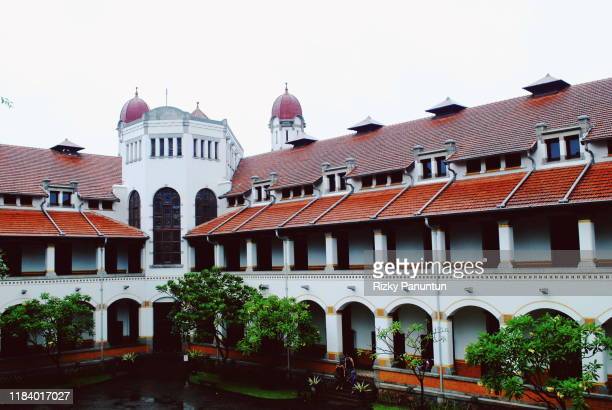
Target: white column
[(380, 246), (288, 254), (219, 256), (333, 331), (143, 257), (562, 148), (586, 238), (99, 330), (251, 254), (444, 356), (419, 169), (191, 257), (145, 324), (434, 168), (438, 244), (601, 375), (331, 251), (384, 351), (50, 260), (100, 268), (506, 244)]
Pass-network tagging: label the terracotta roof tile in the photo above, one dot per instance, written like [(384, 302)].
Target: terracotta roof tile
[(22, 170), (359, 206), (25, 223), (238, 220), (208, 226), (112, 228), (596, 185), (313, 211), (274, 215), (545, 187), (411, 201), (499, 127), (72, 223), (475, 194)]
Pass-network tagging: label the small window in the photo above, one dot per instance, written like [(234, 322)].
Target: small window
[(170, 147), (107, 205), (297, 191), (240, 200), (179, 146), (610, 147), (10, 199), (26, 201), (195, 148), (493, 163), (397, 177), (231, 201), (286, 135), (152, 147), (441, 166), (342, 181), (266, 192), (54, 198), (513, 160), (161, 147), (93, 204), (258, 196), (572, 146), (210, 150), (331, 179), (426, 168), (308, 190), (66, 196), (381, 179), (286, 193), (473, 166), (553, 153), (366, 181), (202, 151), (216, 149)]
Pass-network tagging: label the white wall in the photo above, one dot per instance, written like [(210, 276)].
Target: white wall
[(362, 322), (468, 323), (408, 315)]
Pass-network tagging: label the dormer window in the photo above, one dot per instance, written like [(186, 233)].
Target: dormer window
[(366, 181), (93, 204), (553, 150), (493, 163), (331, 180), (286, 193), (441, 166), (54, 198), (10, 199), (296, 191), (513, 160), (381, 179), (262, 193), (572, 147), (66, 196), (427, 172), (473, 166)]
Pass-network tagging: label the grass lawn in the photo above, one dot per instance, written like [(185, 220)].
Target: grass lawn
[(380, 406), (241, 387)]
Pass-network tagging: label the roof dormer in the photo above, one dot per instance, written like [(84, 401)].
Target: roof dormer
[(67, 147), (546, 85), (365, 125), (446, 107)]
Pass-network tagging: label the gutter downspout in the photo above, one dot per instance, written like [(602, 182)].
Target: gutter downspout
[(351, 190), (520, 184), (299, 211), (392, 200), (569, 192), (44, 211), (437, 194), (89, 221)]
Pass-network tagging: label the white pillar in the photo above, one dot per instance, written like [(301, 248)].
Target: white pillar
[(143, 257), (506, 244), (145, 324), (99, 330), (586, 238), (438, 244), (601, 375), (419, 169), (444, 356), (219, 256), (384, 350), (380, 246), (191, 258), (50, 260), (337, 182), (251, 254), (434, 169), (333, 333), (562, 148), (288, 254), (100, 268), (331, 251)]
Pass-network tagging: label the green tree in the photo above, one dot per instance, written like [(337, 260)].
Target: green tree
[(4, 270), (280, 319), (207, 305), (518, 358), (51, 323), (417, 340), (6, 101)]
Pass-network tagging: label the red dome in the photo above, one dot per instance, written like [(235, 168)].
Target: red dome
[(286, 107), (133, 109)]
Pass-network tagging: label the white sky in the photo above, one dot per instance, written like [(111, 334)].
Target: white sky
[(68, 67)]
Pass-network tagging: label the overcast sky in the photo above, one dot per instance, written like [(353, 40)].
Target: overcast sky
[(68, 67)]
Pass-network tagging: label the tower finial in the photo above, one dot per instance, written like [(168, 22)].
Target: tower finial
[(197, 105), (286, 88), (136, 93)]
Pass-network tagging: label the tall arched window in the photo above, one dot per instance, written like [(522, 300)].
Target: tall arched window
[(205, 206), (166, 227), (134, 210)]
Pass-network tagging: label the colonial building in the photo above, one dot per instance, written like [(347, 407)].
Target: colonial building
[(522, 185)]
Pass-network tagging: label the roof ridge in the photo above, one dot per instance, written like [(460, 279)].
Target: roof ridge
[(91, 223), (108, 218), (435, 196), (299, 211), (391, 201), (229, 219), (44, 211), (579, 178), (249, 219), (335, 204)]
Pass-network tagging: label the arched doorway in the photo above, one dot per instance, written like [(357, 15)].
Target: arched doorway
[(205, 206), (358, 333), (12, 341), (467, 324), (166, 227), (317, 315), (122, 322), (134, 209), (409, 315), (165, 339)]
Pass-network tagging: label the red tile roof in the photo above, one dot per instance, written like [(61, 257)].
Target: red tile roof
[(22, 170), (489, 129), (545, 187), (209, 226), (238, 220), (314, 210), (33, 222), (359, 206), (411, 201), (596, 185), (274, 215), (475, 194)]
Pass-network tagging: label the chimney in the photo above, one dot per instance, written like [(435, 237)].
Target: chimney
[(273, 177), (417, 149), (451, 146), (540, 127), (351, 163), (585, 124), (325, 166)]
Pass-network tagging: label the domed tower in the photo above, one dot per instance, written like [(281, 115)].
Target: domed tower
[(133, 109), (286, 122)]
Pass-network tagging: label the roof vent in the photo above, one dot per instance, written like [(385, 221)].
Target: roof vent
[(302, 139), (448, 106), (367, 124), (67, 147), (546, 85)]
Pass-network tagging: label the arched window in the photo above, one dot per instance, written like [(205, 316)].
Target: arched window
[(166, 227), (134, 210), (205, 206)]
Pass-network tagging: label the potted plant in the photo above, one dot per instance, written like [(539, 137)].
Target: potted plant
[(128, 361), (314, 385), (362, 389)]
